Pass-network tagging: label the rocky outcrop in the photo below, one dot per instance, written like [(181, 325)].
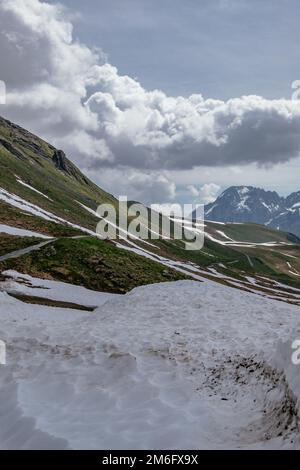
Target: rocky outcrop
[(63, 164), (12, 149)]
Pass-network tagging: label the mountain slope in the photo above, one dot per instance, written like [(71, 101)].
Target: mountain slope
[(44, 193), (40, 174), (244, 204), (239, 204)]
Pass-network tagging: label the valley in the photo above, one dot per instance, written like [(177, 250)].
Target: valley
[(115, 343)]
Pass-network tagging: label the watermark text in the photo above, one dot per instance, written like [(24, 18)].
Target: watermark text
[(2, 353), (159, 222), (2, 92)]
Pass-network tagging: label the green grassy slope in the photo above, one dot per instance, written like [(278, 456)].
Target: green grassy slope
[(9, 243), (253, 233), (25, 156), (92, 263)]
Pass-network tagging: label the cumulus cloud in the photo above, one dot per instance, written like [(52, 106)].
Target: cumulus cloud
[(70, 95), (206, 193)]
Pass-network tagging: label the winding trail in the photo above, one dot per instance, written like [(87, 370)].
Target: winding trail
[(35, 247), (25, 251)]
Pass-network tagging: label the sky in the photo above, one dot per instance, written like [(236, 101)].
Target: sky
[(219, 48), (160, 100)]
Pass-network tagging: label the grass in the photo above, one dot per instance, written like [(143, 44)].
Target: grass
[(253, 233), (10, 243), (100, 265), (36, 168), (211, 254), (94, 264), (12, 216)]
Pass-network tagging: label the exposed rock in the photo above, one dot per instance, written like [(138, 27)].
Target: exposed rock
[(12, 149), (246, 204), (63, 164)]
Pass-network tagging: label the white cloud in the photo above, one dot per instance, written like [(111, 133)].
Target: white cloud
[(193, 190), (67, 93), (206, 193)]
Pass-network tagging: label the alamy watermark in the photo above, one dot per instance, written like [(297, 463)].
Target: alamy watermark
[(2, 353), (157, 222), (296, 354), (2, 92), (296, 87)]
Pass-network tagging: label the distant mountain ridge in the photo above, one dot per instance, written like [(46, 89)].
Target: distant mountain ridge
[(241, 204)]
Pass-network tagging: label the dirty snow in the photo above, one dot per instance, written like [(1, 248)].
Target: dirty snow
[(53, 290), (179, 365)]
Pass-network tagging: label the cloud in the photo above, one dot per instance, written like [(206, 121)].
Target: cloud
[(146, 187), (68, 93), (193, 190), (150, 187), (206, 194)]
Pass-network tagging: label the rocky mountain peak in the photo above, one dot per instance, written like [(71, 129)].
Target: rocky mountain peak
[(242, 204)]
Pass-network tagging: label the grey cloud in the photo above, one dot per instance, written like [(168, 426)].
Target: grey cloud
[(146, 187), (103, 119)]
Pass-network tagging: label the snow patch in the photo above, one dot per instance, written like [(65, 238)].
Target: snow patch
[(20, 232), (32, 188)]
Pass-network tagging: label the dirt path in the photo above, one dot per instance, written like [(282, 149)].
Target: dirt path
[(25, 251)]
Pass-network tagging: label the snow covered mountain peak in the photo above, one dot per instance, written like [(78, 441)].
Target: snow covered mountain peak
[(244, 204)]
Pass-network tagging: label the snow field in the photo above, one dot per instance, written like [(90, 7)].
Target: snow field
[(177, 365)]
